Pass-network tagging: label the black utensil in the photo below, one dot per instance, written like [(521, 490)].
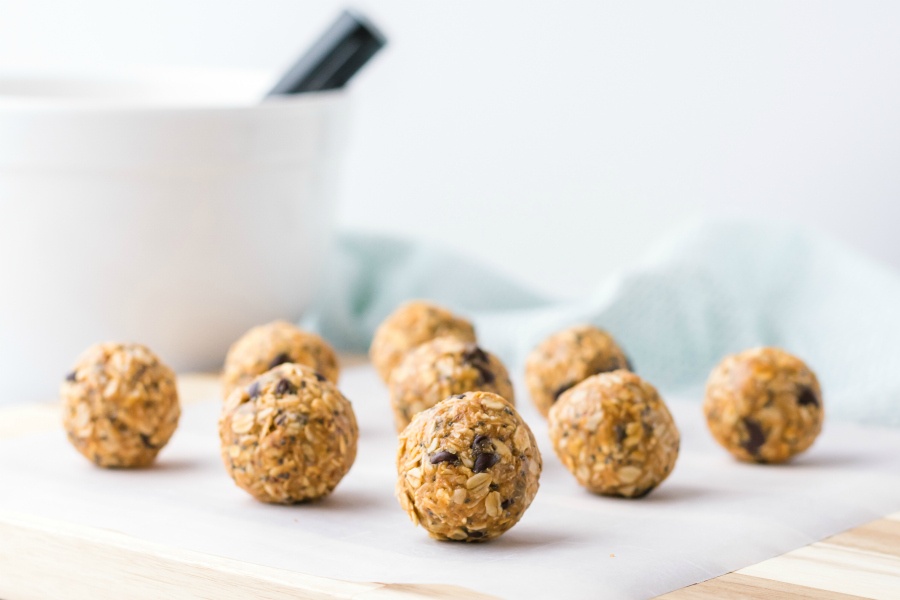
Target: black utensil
[(334, 58)]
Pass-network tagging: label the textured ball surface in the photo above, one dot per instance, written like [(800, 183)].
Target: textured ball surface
[(267, 346), (120, 405), (442, 368), (567, 358), (411, 325), (289, 436), (615, 434), (764, 405), (467, 468)]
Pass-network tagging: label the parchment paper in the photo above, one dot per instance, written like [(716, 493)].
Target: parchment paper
[(713, 515)]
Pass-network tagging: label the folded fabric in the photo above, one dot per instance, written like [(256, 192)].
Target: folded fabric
[(711, 289)]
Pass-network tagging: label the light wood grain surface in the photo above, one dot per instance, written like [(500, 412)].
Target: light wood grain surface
[(98, 564), (860, 563)]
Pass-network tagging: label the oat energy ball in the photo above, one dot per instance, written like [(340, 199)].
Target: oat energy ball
[(412, 324), (467, 468), (289, 436), (442, 368), (120, 405), (569, 357), (764, 405), (615, 434), (267, 346)]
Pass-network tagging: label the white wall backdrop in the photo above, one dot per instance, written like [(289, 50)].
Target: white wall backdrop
[(558, 140)]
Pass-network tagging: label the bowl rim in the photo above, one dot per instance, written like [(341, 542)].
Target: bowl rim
[(146, 90)]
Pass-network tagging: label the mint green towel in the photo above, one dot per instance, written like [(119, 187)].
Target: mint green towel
[(711, 289)]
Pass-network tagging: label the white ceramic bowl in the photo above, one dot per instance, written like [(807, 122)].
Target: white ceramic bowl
[(172, 210)]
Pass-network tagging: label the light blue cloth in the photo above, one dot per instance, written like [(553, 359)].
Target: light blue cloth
[(713, 288)]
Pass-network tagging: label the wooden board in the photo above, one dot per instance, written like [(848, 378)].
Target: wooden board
[(861, 563), (98, 564)]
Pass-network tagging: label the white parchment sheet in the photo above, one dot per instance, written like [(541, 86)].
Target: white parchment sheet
[(713, 515)]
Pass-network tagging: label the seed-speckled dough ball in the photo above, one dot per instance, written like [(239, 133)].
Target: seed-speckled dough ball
[(267, 346), (120, 405), (615, 434), (764, 405), (442, 368), (468, 468), (412, 324), (567, 358), (289, 436)]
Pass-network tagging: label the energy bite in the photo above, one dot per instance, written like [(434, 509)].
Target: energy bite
[(442, 368), (763, 405), (289, 436), (615, 434), (467, 468), (412, 324), (267, 346), (120, 405), (567, 358)]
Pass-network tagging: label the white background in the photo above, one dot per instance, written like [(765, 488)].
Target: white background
[(558, 140)]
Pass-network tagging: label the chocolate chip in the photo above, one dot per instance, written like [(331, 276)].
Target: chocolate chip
[(807, 397), (443, 456), (620, 433), (145, 439), (321, 377), (279, 360), (475, 535), (756, 436), (481, 440), (285, 387), (253, 390), (507, 503), (485, 461), (476, 354), (562, 390), (479, 360), (484, 373), (73, 376), (459, 396)]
